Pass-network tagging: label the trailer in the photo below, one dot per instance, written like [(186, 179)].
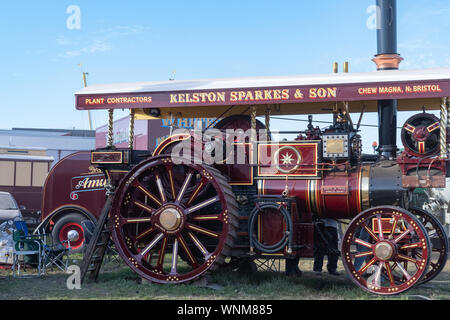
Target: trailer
[(22, 173)]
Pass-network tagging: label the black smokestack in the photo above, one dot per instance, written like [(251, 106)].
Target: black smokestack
[(387, 28), (387, 59)]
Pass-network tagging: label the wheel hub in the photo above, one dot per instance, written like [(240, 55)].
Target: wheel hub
[(421, 134), (170, 219), (384, 250), (73, 236)]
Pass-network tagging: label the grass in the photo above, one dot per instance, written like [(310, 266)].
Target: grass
[(118, 282)]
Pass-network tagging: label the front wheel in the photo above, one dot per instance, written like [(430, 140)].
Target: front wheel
[(70, 225), (386, 250)]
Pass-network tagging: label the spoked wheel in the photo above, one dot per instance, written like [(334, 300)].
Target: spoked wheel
[(386, 250), (420, 135), (439, 243), (173, 223)]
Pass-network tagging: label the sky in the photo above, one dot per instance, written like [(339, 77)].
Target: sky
[(130, 41)]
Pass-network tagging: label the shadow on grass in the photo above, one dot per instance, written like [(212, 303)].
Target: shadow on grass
[(118, 281)]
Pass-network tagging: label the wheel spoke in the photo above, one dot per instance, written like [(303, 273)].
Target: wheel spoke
[(394, 226), (160, 188), (373, 235), (410, 128), (198, 244), (433, 127), (134, 220), (368, 264), (400, 237), (143, 206), (145, 233), (184, 187), (363, 243), (405, 258), (162, 253), (148, 194), (173, 269), (377, 278), (411, 246), (188, 252), (202, 205), (389, 273), (150, 246), (172, 186), (421, 147), (380, 228), (405, 273), (202, 230), (206, 218), (363, 254), (195, 193)]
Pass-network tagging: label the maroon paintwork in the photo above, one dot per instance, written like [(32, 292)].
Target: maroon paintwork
[(334, 196), (73, 185)]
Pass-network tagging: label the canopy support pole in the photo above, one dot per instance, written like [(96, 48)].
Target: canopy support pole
[(253, 135), (131, 138), (110, 127), (444, 122), (268, 113), (448, 124)]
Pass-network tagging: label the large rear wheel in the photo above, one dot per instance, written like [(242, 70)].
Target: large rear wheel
[(173, 222)]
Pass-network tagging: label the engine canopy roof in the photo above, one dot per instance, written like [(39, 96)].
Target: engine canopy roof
[(285, 95)]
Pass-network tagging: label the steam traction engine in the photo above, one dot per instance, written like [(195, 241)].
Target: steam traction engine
[(176, 214)]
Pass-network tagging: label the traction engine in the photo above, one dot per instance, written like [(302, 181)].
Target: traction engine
[(173, 220)]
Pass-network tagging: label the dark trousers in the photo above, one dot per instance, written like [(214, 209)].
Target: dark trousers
[(326, 244)]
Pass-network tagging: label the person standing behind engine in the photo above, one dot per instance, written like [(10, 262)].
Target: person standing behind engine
[(326, 243)]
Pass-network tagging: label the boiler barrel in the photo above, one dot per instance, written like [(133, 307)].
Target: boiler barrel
[(343, 195)]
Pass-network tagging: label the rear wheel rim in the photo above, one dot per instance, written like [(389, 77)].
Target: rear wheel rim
[(63, 235)]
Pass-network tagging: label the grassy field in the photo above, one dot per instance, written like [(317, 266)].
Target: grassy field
[(117, 281)]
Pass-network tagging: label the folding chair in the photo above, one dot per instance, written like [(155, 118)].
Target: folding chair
[(57, 255), (28, 251)]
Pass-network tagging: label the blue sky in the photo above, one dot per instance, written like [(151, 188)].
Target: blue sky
[(127, 41)]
